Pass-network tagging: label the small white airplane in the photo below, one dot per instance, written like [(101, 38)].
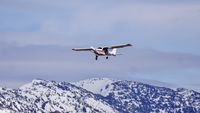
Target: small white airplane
[(103, 51)]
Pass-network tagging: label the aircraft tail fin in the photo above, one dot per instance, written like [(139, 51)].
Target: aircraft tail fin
[(114, 51)]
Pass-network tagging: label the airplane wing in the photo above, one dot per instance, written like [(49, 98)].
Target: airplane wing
[(82, 49), (119, 46)]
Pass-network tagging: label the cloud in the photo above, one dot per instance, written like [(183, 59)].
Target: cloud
[(148, 24), (32, 38), (36, 38), (60, 63), (140, 60), (88, 17)]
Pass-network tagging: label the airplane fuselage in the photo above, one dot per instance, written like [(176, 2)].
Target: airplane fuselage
[(101, 52)]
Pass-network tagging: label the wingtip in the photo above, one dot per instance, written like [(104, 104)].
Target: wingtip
[(129, 45)]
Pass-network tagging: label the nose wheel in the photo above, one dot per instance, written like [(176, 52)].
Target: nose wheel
[(106, 57)]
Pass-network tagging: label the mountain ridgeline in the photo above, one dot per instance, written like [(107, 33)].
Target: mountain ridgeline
[(98, 95)]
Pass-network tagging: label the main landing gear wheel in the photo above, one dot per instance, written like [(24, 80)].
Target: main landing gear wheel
[(96, 58), (106, 57)]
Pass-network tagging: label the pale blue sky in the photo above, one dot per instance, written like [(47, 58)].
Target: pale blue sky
[(36, 38)]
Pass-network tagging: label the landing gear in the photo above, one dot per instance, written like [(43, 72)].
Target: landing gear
[(96, 57)]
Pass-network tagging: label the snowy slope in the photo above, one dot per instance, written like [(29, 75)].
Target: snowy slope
[(48, 96), (130, 96), (96, 85), (99, 95)]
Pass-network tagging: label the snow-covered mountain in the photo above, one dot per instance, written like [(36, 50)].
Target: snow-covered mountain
[(130, 96), (96, 85), (42, 96), (101, 95)]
